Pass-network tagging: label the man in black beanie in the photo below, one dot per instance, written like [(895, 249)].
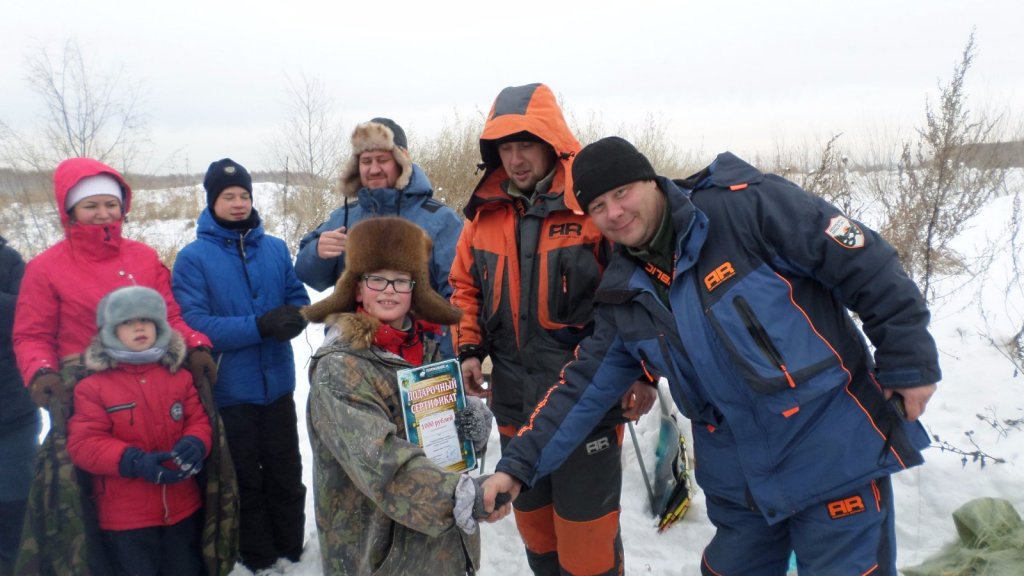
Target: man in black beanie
[(238, 283), (736, 287), (225, 173), (525, 272)]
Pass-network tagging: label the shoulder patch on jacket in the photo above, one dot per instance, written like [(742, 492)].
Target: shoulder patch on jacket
[(845, 232), (431, 205)]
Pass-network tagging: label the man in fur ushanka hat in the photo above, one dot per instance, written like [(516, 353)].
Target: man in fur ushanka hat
[(380, 179), (379, 310)]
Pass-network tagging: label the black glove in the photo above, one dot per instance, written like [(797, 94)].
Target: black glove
[(189, 453), (46, 385), (201, 365), (149, 466), (474, 422), (283, 323)]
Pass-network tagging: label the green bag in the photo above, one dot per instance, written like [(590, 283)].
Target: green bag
[(221, 509), (991, 543), (60, 536)]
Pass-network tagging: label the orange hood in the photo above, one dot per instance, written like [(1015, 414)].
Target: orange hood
[(531, 108)]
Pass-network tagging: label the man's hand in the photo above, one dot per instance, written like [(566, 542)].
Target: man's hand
[(48, 385), (498, 483), (473, 378), (639, 400), (332, 243), (201, 364), (914, 399)]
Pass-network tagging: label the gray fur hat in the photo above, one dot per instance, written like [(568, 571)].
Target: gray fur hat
[(377, 134), (126, 304)]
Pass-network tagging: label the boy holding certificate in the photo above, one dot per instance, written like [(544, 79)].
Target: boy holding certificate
[(382, 506)]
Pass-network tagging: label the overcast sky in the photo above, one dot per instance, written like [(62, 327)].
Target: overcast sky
[(739, 75)]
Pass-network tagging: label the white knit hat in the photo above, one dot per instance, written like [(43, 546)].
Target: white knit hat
[(98, 185)]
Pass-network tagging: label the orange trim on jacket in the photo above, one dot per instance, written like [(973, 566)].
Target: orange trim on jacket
[(525, 278)]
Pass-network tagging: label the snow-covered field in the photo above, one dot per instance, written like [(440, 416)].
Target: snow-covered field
[(978, 383)]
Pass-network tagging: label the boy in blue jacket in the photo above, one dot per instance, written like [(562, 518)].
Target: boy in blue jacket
[(238, 283)]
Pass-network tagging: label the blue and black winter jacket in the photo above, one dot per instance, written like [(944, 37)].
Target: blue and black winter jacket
[(223, 281), (759, 348), (415, 203)]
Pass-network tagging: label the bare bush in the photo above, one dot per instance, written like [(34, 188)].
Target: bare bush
[(450, 159), (650, 136), (85, 114), (309, 149), (832, 180), (941, 184), (1000, 288)]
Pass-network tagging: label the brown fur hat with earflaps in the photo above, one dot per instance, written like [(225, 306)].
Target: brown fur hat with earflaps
[(387, 243), (377, 134)]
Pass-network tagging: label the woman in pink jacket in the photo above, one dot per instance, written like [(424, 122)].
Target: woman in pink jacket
[(56, 309)]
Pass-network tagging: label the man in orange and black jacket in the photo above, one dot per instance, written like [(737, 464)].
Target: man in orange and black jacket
[(526, 268)]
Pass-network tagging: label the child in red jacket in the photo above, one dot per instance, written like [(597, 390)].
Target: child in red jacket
[(141, 430)]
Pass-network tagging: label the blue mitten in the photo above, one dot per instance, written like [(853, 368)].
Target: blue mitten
[(189, 454), (149, 466)]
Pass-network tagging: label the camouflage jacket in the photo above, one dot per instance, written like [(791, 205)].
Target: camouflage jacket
[(382, 507)]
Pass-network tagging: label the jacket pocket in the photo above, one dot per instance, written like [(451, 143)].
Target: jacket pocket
[(487, 278), (122, 413), (776, 348), (569, 277)]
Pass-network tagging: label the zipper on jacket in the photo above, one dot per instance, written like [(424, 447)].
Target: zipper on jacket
[(122, 407), (760, 336), (163, 498), (241, 254)]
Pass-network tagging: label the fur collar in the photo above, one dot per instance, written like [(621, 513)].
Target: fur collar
[(97, 359), (356, 330)]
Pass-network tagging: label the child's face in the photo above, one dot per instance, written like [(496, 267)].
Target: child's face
[(386, 304), (137, 334)]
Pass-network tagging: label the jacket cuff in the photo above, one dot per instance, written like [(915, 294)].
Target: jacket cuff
[(515, 470), (467, 351)]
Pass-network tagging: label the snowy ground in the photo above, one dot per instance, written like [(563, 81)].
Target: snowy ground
[(978, 382)]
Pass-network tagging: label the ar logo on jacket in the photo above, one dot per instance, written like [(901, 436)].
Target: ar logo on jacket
[(177, 412), (845, 232), (846, 507), (565, 229), (599, 445), (719, 275)]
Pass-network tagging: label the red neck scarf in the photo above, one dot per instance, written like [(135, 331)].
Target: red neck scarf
[(405, 343)]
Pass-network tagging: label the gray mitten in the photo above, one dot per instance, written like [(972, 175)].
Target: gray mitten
[(469, 502), (465, 502), (474, 423)]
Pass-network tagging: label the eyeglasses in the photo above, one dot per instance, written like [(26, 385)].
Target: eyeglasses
[(380, 284)]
